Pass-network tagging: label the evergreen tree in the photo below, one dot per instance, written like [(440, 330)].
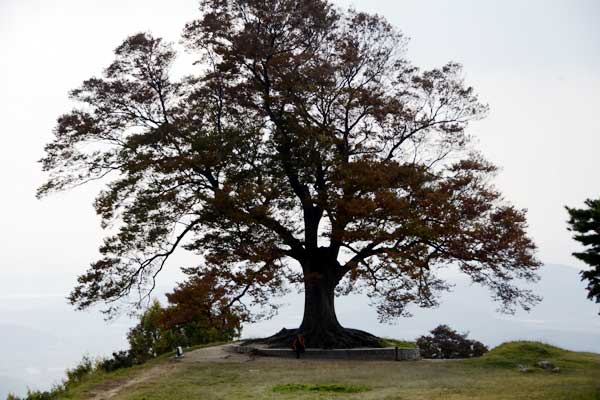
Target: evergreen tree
[(585, 222)]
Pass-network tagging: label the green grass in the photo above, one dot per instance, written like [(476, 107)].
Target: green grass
[(492, 377), (98, 379), (389, 342), (324, 388), (511, 354)]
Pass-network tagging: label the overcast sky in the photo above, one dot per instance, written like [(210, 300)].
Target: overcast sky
[(537, 63)]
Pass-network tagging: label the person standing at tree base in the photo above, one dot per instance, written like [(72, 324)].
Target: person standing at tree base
[(298, 345)]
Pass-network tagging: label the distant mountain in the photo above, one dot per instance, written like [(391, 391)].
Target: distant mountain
[(43, 336), (33, 356)]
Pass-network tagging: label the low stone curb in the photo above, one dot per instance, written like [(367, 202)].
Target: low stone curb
[(383, 354)]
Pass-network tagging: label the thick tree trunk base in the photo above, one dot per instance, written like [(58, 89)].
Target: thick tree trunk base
[(340, 338)]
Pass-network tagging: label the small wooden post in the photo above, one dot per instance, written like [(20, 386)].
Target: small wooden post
[(396, 353)]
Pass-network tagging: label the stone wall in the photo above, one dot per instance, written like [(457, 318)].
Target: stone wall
[(387, 353)]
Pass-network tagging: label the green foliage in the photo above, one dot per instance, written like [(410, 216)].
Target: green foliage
[(586, 224), (326, 388), (156, 333), (120, 359), (37, 395), (445, 342), (149, 338), (85, 367), (196, 333)]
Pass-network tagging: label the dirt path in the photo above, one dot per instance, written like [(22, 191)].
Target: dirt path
[(214, 354), (110, 390)]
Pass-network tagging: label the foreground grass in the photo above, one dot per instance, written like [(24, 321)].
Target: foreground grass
[(100, 380), (493, 376), (322, 388)]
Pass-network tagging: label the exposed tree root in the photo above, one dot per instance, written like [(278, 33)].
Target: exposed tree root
[(340, 338)]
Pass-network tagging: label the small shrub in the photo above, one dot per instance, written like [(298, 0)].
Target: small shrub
[(75, 376), (121, 359), (150, 338), (445, 342), (52, 394), (81, 370), (37, 395)]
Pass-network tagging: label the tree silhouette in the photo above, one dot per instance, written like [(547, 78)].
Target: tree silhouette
[(305, 149), (585, 222)]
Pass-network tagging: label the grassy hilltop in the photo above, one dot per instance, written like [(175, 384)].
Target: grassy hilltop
[(493, 376)]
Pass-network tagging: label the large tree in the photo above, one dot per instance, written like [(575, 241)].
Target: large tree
[(585, 223), (304, 149)]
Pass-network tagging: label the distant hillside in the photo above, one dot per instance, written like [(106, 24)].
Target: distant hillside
[(41, 337)]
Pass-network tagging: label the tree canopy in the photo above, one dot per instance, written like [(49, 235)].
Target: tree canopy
[(585, 223), (304, 149)]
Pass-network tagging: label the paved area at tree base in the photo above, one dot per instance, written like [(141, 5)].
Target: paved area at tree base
[(381, 354)]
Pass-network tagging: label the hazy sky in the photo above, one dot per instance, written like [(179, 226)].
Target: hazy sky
[(537, 63)]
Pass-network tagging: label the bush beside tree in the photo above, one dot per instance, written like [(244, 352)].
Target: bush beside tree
[(445, 342), (200, 311), (150, 337)]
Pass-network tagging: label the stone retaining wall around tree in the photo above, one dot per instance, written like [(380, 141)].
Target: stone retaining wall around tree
[(387, 353)]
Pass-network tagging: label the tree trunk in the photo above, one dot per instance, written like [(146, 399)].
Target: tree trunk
[(320, 326)]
